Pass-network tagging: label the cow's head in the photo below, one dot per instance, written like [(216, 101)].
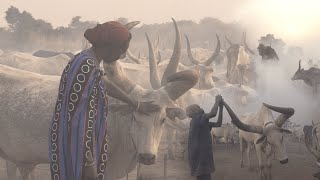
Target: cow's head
[(147, 129), (204, 68), (261, 49), (238, 59), (272, 131), (300, 73)]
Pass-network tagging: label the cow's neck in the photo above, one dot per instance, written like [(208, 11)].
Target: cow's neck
[(117, 76)]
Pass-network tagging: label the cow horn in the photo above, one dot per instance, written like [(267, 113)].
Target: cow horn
[(228, 40), (192, 59), (175, 58), (179, 83), (215, 54), (157, 43), (132, 24), (159, 57), (245, 43), (133, 57), (286, 113), (312, 123), (154, 76), (241, 125), (299, 65)]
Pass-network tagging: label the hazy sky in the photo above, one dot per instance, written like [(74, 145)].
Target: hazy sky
[(296, 21)]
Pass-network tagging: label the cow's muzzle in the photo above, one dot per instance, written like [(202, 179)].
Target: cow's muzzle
[(284, 161), (147, 159)]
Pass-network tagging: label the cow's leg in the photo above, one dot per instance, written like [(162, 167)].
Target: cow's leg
[(26, 171), (171, 151), (248, 156), (260, 161), (299, 144), (226, 141), (214, 139), (242, 149), (11, 170), (314, 89), (268, 168)]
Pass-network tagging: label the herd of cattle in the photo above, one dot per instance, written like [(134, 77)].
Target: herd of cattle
[(29, 88)]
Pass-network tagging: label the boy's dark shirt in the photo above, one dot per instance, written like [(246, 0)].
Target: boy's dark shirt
[(200, 146)]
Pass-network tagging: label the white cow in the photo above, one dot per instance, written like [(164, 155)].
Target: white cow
[(204, 68), (28, 100), (240, 69), (266, 133), (227, 131), (46, 66)]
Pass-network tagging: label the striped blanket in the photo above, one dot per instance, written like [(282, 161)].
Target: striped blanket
[(78, 125)]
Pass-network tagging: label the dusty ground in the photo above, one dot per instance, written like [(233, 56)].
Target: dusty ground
[(300, 167)]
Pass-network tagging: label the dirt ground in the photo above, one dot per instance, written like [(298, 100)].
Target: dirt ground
[(301, 166)]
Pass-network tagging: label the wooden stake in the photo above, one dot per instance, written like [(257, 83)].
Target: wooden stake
[(165, 167)]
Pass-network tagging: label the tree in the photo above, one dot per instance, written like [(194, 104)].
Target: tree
[(122, 20), (76, 23)]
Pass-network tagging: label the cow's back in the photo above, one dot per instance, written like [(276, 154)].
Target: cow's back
[(27, 104), (249, 119)]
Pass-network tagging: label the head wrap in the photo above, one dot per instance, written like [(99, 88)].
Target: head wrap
[(111, 33)]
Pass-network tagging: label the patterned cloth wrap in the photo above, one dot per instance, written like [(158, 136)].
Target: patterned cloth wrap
[(79, 122)]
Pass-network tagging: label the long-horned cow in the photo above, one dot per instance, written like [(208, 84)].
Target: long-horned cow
[(205, 71), (156, 83), (227, 131), (133, 137), (266, 133), (311, 77), (238, 67)]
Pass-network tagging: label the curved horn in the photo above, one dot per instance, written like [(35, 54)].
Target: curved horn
[(245, 43), (241, 125), (299, 65), (228, 40), (179, 83), (175, 58), (215, 54), (159, 57), (132, 24), (154, 76), (192, 59), (133, 57), (286, 113), (312, 123), (157, 43)]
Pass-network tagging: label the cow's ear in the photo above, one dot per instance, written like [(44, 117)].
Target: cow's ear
[(285, 131), (175, 124), (262, 138), (172, 113)]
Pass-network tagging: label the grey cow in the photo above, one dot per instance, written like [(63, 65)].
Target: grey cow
[(311, 77)]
